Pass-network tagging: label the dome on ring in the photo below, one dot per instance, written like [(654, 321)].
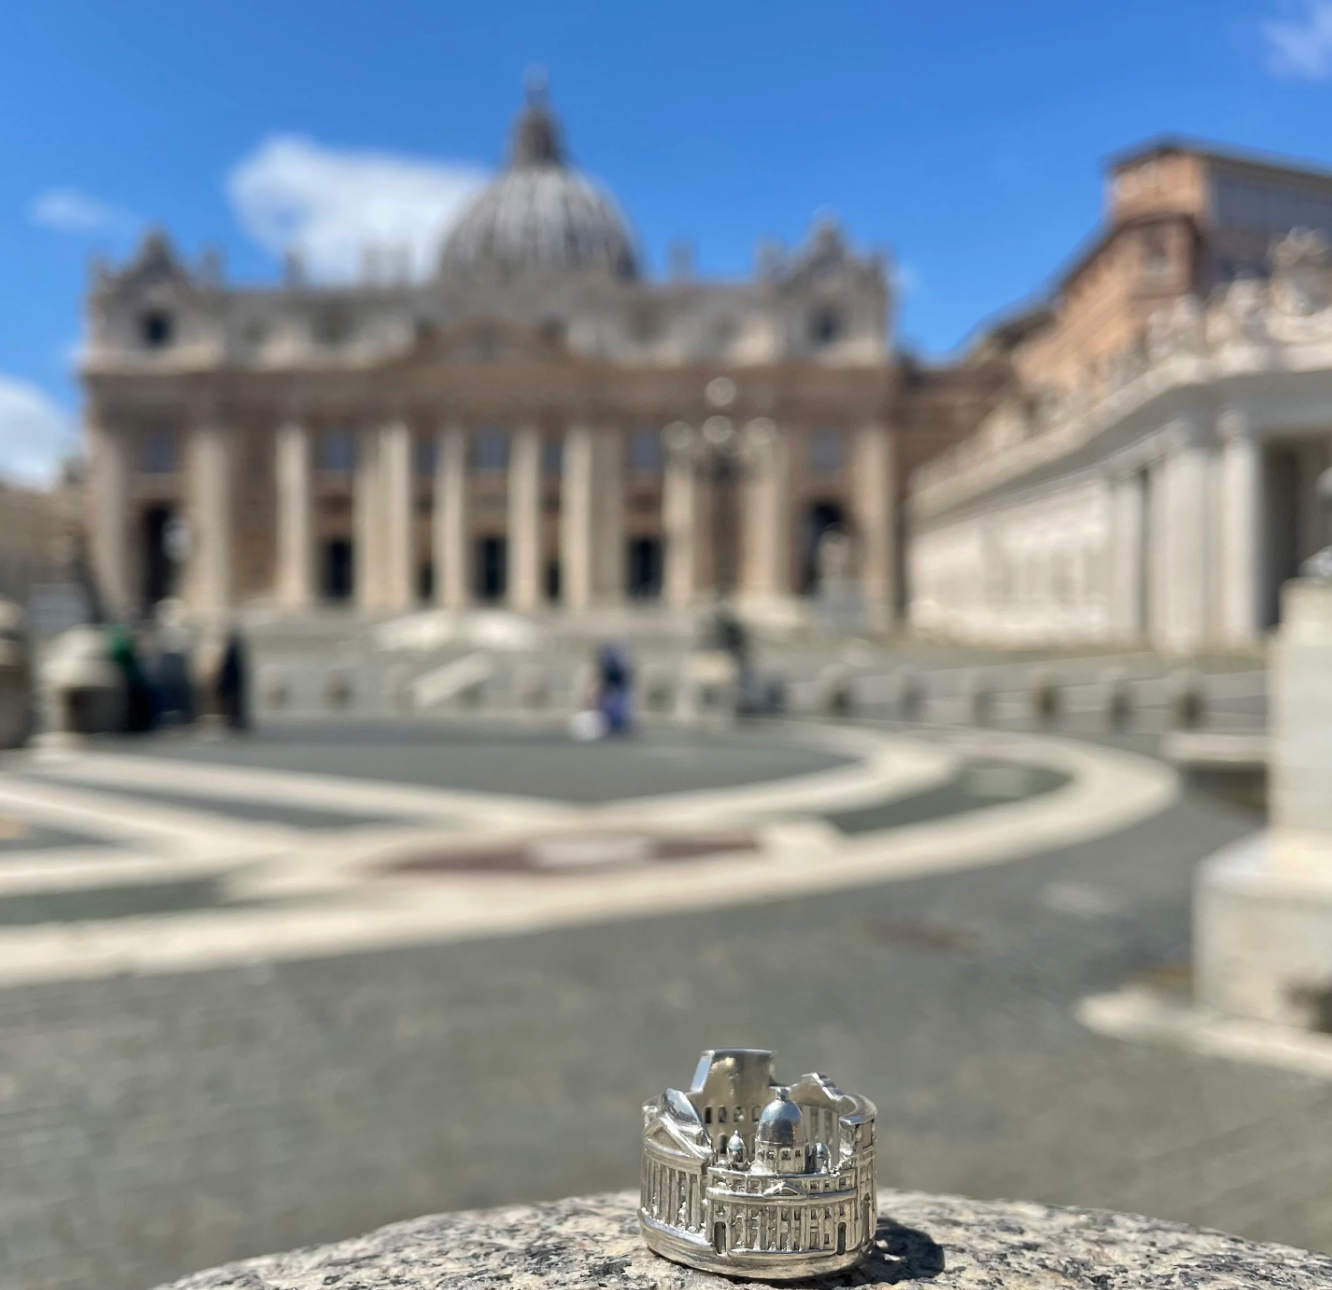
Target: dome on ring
[(780, 1123), (539, 217)]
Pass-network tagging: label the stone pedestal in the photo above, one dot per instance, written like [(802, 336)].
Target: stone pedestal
[(1263, 909), (939, 1242)]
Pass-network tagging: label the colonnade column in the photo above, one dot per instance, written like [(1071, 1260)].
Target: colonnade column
[(453, 584), (524, 540), (210, 488), (295, 517), (110, 516), (592, 517), (399, 516), (1184, 595), (874, 503), (679, 515), (1241, 534), (765, 569), (367, 523), (1124, 557)]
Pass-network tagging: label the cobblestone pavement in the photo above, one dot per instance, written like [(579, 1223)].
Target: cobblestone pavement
[(193, 1118)]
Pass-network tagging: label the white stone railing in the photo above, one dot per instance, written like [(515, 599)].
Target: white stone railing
[(1250, 328)]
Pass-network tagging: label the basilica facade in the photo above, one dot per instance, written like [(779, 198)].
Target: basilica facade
[(538, 425)]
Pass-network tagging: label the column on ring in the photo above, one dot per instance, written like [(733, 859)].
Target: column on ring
[(399, 516), (524, 537), (1241, 534), (679, 515), (874, 505), (368, 523), (295, 516), (110, 513), (765, 554), (453, 587), (210, 503)]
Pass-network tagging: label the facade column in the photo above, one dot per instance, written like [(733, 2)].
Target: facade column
[(874, 505), (368, 523), (110, 475), (398, 520), (453, 583), (576, 533), (1184, 595), (1241, 535), (592, 517), (524, 537), (295, 517), (765, 564), (609, 562), (679, 514), (210, 488)]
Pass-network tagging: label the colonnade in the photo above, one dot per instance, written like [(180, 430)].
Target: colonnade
[(592, 542), (1187, 544), (1165, 541)]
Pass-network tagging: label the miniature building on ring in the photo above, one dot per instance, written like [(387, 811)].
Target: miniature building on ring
[(745, 1175)]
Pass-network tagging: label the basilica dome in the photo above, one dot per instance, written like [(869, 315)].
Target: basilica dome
[(539, 218)]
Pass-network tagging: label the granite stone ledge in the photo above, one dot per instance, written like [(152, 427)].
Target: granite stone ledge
[(942, 1242)]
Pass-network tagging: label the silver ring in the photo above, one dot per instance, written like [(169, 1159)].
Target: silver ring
[(748, 1177)]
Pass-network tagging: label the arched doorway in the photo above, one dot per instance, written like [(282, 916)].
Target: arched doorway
[(159, 569), (819, 518)]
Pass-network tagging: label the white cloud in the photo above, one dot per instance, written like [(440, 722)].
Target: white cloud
[(1299, 47), (34, 433), (293, 193), (67, 210)]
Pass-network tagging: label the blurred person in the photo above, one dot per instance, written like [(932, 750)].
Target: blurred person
[(615, 689), (233, 682), (139, 706)]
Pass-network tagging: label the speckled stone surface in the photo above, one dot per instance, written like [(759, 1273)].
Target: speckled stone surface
[(943, 1242)]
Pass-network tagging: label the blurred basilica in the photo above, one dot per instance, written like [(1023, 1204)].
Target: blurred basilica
[(538, 424)]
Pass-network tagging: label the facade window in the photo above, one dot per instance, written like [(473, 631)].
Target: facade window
[(331, 327), (427, 452), (1155, 252), (157, 452), (156, 329), (645, 451), (336, 453), (552, 456), (490, 452), (646, 323), (825, 451), (825, 326)]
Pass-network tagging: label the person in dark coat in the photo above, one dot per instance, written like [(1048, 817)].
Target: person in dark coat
[(615, 689), (233, 683)]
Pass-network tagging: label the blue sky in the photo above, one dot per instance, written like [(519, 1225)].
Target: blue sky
[(965, 137)]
